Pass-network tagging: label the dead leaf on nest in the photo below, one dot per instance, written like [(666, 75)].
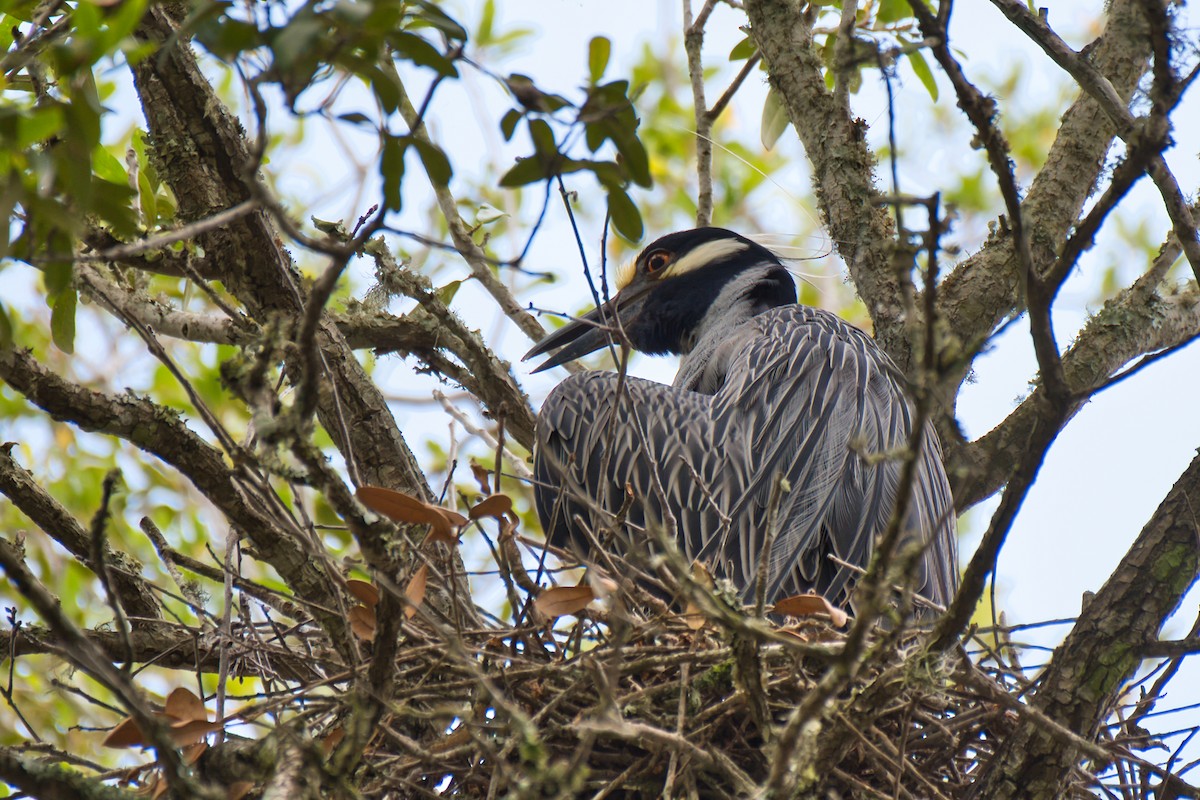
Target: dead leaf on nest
[(414, 593), (183, 713), (693, 617), (459, 735), (332, 739), (400, 507), (362, 623), (562, 600), (363, 592), (809, 605)]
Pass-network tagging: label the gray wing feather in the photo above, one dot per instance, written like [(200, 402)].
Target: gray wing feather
[(802, 395)]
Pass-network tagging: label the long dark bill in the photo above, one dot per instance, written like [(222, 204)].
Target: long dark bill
[(588, 333)]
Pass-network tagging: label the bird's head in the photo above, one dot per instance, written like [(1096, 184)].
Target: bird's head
[(676, 289)]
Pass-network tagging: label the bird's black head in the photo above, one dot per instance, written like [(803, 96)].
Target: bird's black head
[(668, 291)]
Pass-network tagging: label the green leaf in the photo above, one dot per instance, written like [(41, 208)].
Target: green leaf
[(743, 50), (446, 293), (626, 219), (62, 321), (297, 41), (434, 16), (920, 66), (391, 168), (148, 201), (508, 123), (38, 124), (487, 24), (355, 118), (634, 157), (420, 52), (108, 166), (599, 50), (892, 11), (58, 274), (387, 89), (435, 161), (774, 119), (524, 172), (543, 140)]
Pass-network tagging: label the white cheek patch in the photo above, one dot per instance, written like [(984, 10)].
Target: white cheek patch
[(625, 272), (703, 255)]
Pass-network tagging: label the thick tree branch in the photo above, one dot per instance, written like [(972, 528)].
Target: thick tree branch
[(843, 167), (986, 288), (26, 493), (179, 648), (46, 780), (1137, 321), (202, 154), (1117, 626), (159, 431)]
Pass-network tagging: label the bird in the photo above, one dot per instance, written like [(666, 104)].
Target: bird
[(770, 395)]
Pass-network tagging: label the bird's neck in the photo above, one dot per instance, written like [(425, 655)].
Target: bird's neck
[(721, 331), (747, 295)]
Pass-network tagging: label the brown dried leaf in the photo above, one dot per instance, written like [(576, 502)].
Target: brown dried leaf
[(333, 739), (561, 600), (395, 505), (483, 476), (445, 525), (702, 576), (192, 731), (459, 735), (496, 505), (809, 605), (238, 789), (363, 592), (402, 507), (693, 617), (192, 752), (126, 734), (362, 623), (415, 591), (182, 705)]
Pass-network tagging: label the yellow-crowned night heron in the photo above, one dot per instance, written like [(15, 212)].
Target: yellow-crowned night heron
[(766, 388)]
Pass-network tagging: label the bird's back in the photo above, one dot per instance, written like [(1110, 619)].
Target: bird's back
[(793, 392)]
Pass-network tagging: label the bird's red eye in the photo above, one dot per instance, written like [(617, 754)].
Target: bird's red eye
[(656, 261)]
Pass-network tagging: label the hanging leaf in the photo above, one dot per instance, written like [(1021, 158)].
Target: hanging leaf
[(626, 218), (774, 119), (924, 74), (562, 600), (599, 50), (62, 321), (483, 476), (435, 161), (743, 50)]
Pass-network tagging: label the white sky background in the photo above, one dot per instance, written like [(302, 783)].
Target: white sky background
[(1103, 477)]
